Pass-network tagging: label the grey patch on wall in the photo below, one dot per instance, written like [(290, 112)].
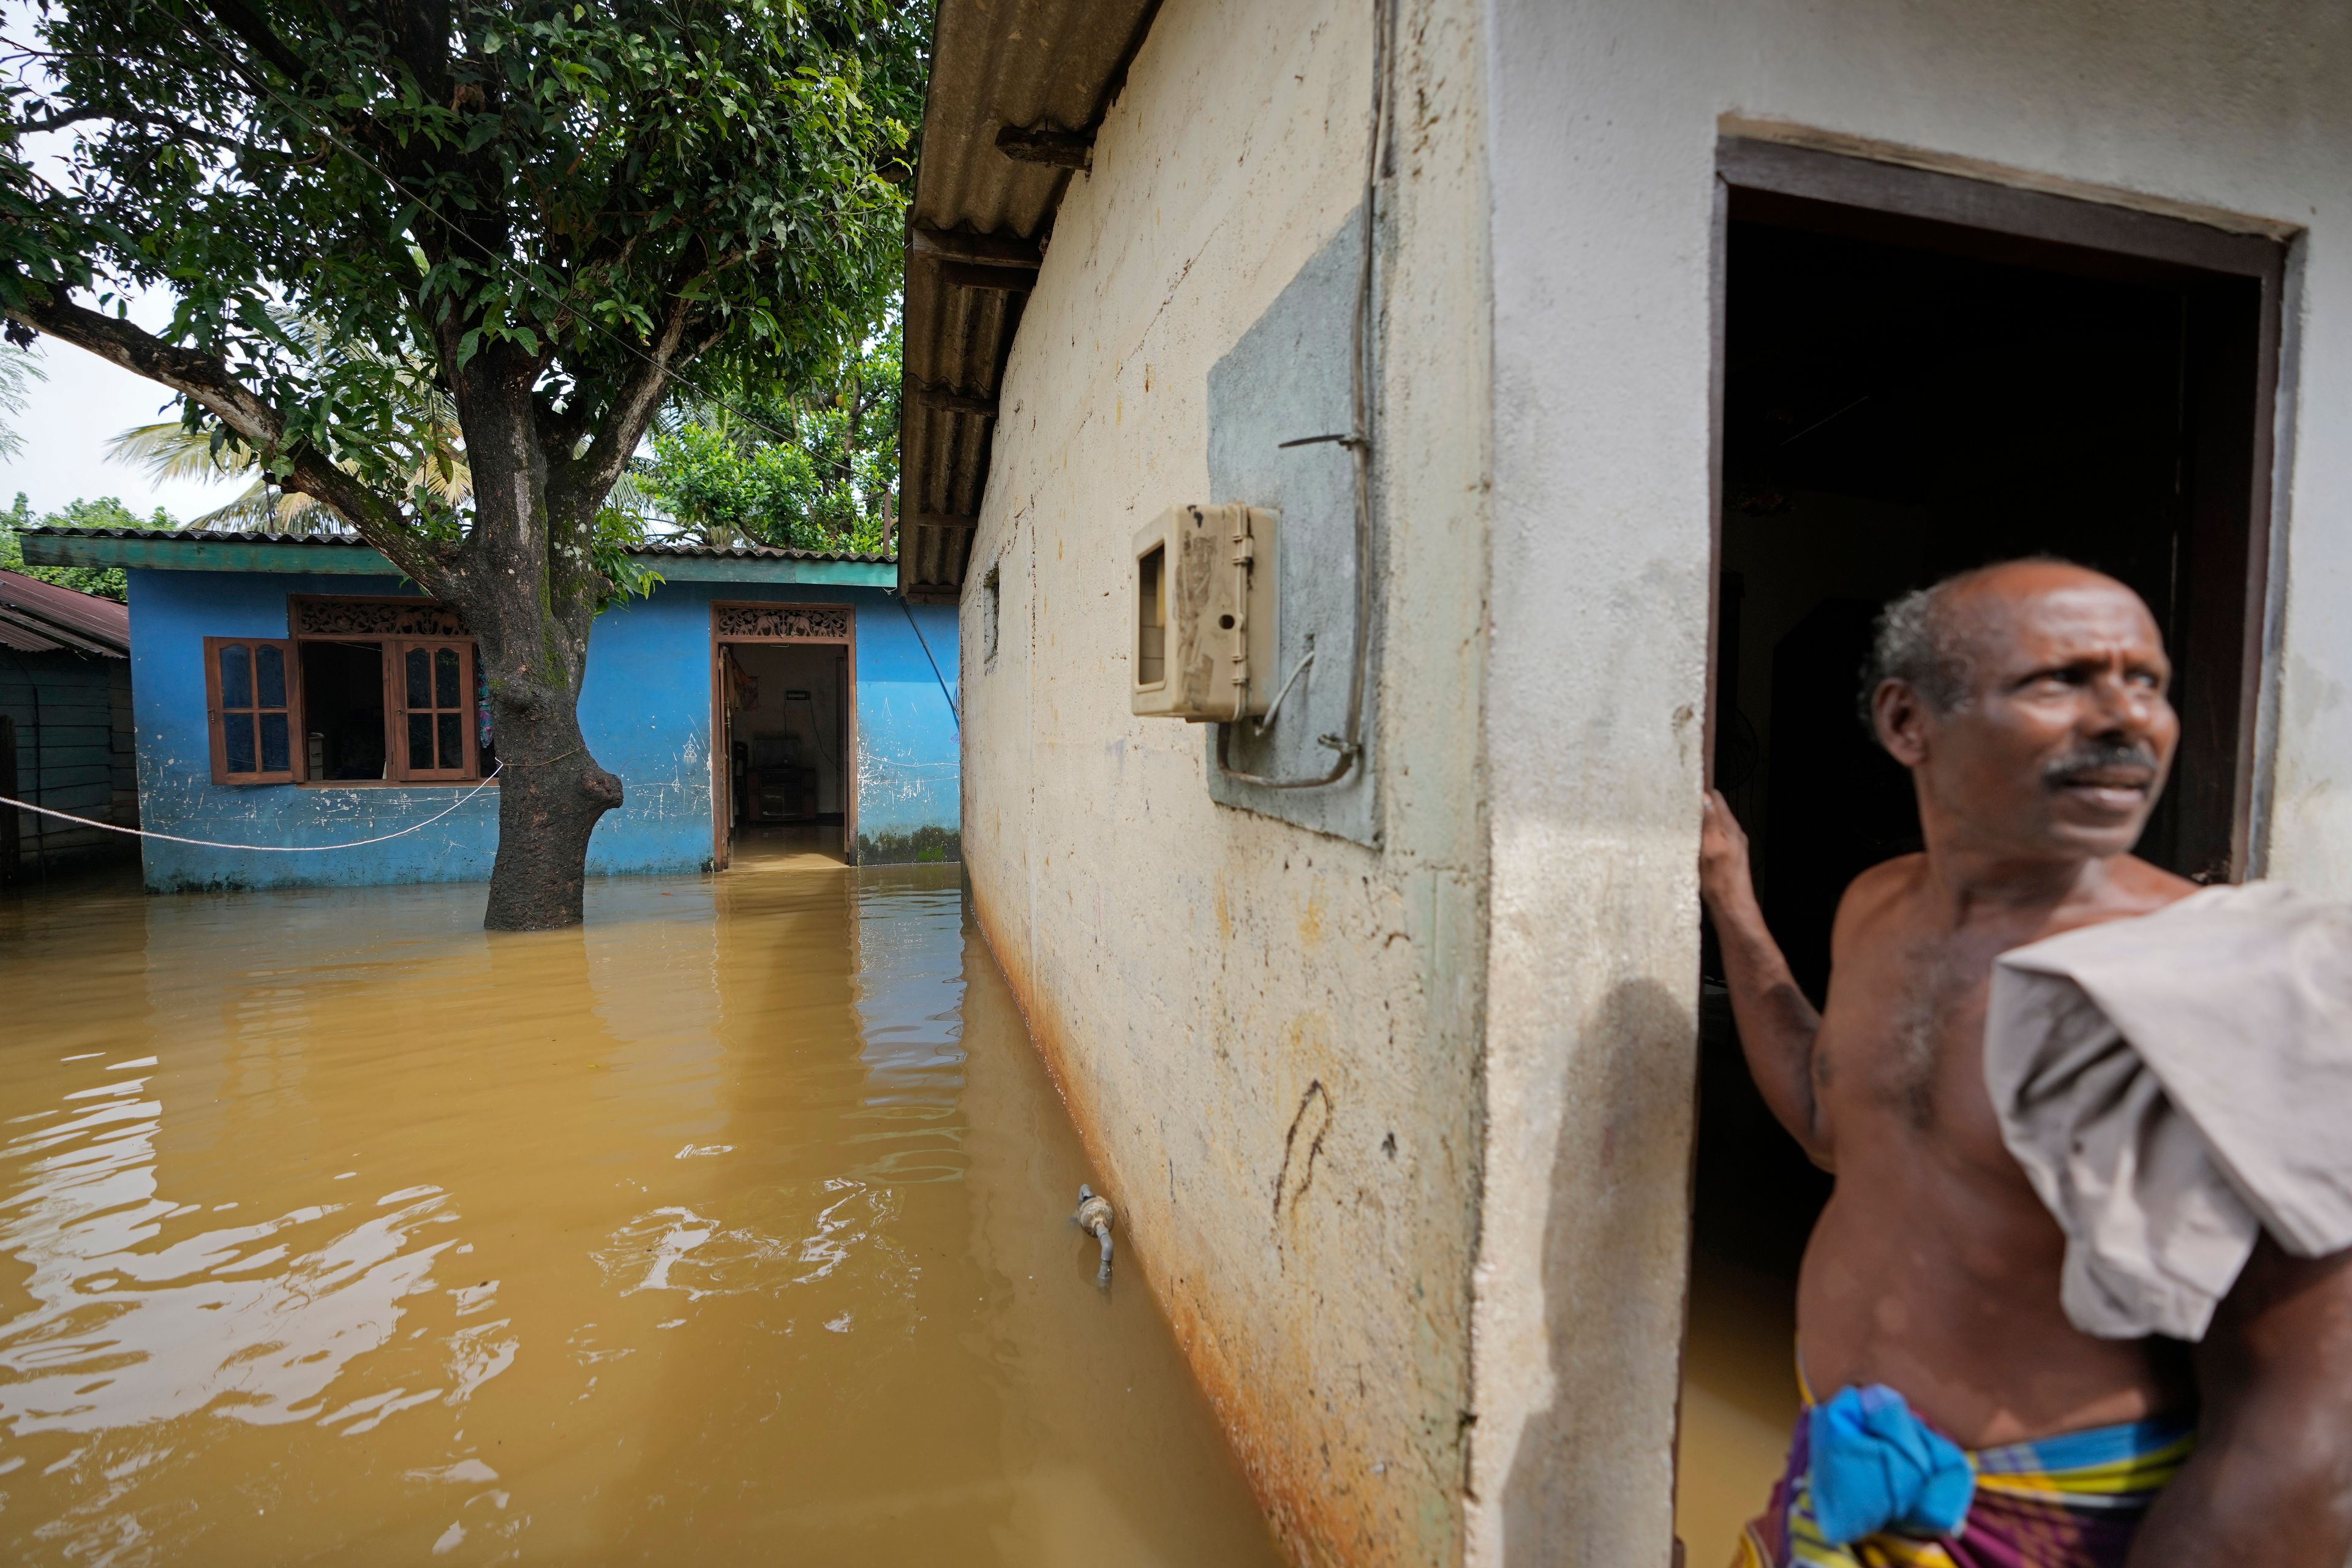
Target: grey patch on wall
[(1287, 378)]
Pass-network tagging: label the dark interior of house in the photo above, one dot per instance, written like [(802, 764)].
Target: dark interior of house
[(788, 740), (1894, 413), (343, 710)]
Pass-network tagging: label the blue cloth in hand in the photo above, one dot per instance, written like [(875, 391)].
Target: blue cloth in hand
[(1877, 1466)]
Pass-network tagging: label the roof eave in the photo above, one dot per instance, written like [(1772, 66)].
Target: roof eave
[(349, 558), (1018, 90)]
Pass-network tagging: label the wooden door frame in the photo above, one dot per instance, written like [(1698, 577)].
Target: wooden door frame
[(2228, 528), (755, 622)]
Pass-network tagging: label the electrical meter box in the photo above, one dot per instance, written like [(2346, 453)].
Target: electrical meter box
[(1203, 634)]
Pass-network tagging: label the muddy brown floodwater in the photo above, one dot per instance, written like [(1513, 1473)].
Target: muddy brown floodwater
[(732, 1228), (1739, 1403)]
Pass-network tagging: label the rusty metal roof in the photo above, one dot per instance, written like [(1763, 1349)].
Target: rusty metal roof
[(1018, 90), (41, 618)]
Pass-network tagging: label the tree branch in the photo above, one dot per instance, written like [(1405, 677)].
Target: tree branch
[(204, 381), (58, 121), (258, 35), (561, 430), (124, 114), (633, 408), (254, 32)]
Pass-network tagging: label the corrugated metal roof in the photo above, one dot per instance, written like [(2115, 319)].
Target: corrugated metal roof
[(1033, 66), (762, 553), (353, 542), (41, 618)]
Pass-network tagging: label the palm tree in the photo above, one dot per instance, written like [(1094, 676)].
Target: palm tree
[(18, 371), (170, 450)]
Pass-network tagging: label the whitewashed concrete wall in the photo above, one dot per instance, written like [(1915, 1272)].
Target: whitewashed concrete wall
[(1604, 118), (1266, 1036)]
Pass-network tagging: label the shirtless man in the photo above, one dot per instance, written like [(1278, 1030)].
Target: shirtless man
[(2029, 702)]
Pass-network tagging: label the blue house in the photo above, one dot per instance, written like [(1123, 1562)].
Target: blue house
[(294, 691)]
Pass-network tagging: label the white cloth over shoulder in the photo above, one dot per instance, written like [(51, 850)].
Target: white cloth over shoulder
[(2174, 1084)]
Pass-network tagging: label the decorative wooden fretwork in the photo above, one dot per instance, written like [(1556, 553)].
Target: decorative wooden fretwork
[(377, 618), (785, 623)]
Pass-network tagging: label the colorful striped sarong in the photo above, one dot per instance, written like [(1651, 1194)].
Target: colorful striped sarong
[(2074, 1500)]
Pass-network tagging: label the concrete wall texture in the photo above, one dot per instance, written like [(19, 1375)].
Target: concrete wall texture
[(644, 707), (1265, 1033), (1401, 1131)]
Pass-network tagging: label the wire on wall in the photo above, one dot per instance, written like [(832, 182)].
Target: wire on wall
[(1357, 441), (934, 664)]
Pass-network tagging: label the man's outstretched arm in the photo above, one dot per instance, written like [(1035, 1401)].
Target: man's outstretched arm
[(2270, 1481), (1777, 1024)]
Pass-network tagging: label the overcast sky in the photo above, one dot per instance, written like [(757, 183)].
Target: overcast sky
[(69, 418)]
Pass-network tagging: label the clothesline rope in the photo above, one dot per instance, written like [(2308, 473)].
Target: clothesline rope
[(270, 848)]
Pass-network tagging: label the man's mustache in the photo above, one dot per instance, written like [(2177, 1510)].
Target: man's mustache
[(2098, 757)]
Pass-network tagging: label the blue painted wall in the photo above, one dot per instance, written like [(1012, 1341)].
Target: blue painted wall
[(646, 710), (909, 804)]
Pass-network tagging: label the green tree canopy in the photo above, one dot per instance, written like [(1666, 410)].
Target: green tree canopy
[(106, 512), (551, 212), (813, 466)]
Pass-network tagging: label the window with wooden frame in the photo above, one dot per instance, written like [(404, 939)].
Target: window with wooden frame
[(365, 690), (434, 688), (249, 692)]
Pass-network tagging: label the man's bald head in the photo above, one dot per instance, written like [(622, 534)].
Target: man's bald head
[(2028, 700), (1932, 638)]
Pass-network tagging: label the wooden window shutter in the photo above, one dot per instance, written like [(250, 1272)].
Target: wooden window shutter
[(250, 696), (433, 709)]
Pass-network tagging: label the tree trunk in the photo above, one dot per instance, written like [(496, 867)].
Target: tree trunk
[(528, 587), (549, 797)]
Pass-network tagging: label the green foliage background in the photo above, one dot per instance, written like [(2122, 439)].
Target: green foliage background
[(106, 512), (807, 466)]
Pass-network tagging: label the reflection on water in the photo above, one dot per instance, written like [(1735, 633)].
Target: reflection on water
[(733, 1227)]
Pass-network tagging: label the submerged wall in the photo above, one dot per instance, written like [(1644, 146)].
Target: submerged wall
[(644, 708), (1265, 1033), (1605, 119)]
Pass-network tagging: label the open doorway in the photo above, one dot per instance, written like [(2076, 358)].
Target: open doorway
[(786, 775), (1904, 395)]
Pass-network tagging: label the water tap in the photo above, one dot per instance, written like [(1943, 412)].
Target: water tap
[(1095, 1217)]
